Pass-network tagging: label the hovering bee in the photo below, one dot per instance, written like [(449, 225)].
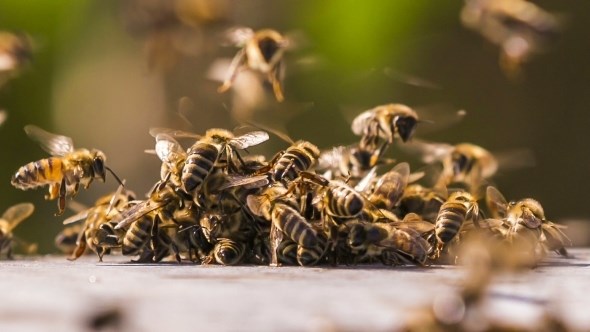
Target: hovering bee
[(276, 206), (204, 154), (519, 27), (16, 49), (261, 51), (11, 218), (385, 122), (65, 171), (455, 211)]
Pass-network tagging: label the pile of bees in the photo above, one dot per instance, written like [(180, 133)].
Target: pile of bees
[(213, 203)]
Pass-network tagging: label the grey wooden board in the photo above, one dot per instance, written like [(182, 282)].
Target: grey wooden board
[(51, 293)]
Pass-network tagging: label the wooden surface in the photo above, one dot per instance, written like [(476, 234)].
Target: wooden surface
[(51, 293)]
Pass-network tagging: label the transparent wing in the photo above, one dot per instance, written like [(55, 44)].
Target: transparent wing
[(17, 213), (133, 213), (168, 149), (56, 145), (427, 151), (249, 139), (156, 131), (247, 182), (76, 217), (496, 203), (238, 36), (365, 183), (362, 121)]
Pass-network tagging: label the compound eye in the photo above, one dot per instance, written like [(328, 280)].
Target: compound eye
[(405, 127)]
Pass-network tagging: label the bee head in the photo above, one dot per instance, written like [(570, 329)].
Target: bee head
[(405, 126), (357, 236), (98, 166)]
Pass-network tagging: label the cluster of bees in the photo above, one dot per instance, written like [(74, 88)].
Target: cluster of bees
[(214, 204)]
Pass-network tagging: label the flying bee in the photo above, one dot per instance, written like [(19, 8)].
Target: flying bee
[(16, 49), (11, 218), (204, 154), (423, 201), (385, 122), (519, 27), (455, 211), (261, 51), (276, 205), (65, 171)]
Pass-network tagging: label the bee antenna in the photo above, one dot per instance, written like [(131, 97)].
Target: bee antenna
[(115, 176)]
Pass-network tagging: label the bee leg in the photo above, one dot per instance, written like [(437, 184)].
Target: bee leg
[(236, 64), (53, 192), (61, 203), (276, 84)]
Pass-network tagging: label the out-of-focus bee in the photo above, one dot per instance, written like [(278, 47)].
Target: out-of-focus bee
[(456, 210), (16, 50), (204, 154), (423, 201), (11, 218), (519, 27), (277, 206), (386, 121), (65, 171), (66, 239), (353, 161), (261, 51), (98, 233)]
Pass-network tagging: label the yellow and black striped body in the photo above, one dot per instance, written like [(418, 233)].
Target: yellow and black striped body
[(229, 252), (138, 235), (448, 223), (287, 252), (343, 201), (290, 222), (200, 162), (388, 191), (420, 200), (299, 157), (39, 173), (313, 255)]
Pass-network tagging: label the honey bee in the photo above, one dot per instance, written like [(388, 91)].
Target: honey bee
[(227, 252), (11, 218), (171, 153), (353, 161), (519, 27), (386, 122), (455, 211), (290, 253), (65, 171), (276, 205), (66, 239), (423, 201), (390, 187), (204, 154), (261, 51), (16, 49)]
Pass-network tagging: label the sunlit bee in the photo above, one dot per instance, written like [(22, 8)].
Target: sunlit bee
[(261, 51), (519, 27), (386, 122), (459, 207), (300, 156), (353, 161), (172, 155), (203, 155), (390, 187), (16, 50), (425, 202), (11, 218), (63, 173), (138, 235)]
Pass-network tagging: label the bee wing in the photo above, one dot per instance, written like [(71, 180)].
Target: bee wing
[(366, 181), (116, 195), (133, 213), (428, 152), (249, 139), (3, 116), (17, 213), (362, 121), (238, 36), (496, 203), (167, 148), (247, 182), (254, 204), (76, 217), (156, 131), (56, 145)]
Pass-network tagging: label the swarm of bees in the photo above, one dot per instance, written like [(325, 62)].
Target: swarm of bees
[(213, 203)]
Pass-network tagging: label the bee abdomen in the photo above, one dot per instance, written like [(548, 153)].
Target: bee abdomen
[(137, 236), (387, 195), (294, 225), (344, 202), (291, 163), (312, 256), (228, 252), (199, 163), (449, 221), (38, 173)]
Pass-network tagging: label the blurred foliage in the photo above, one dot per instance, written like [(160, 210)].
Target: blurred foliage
[(90, 79)]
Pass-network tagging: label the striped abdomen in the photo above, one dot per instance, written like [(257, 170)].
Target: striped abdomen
[(312, 256), (137, 236), (449, 221), (297, 158), (199, 163), (287, 252), (228, 252), (344, 201), (290, 222), (388, 192), (38, 173)]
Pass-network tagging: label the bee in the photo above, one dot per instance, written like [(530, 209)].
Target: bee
[(227, 252), (98, 233), (390, 187), (423, 201), (66, 239), (385, 122), (393, 246), (204, 154), (261, 51), (171, 153), (290, 253), (11, 218), (455, 211), (16, 49), (519, 27), (276, 205), (353, 161), (65, 171)]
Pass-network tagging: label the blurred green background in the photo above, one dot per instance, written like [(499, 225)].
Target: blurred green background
[(106, 71)]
